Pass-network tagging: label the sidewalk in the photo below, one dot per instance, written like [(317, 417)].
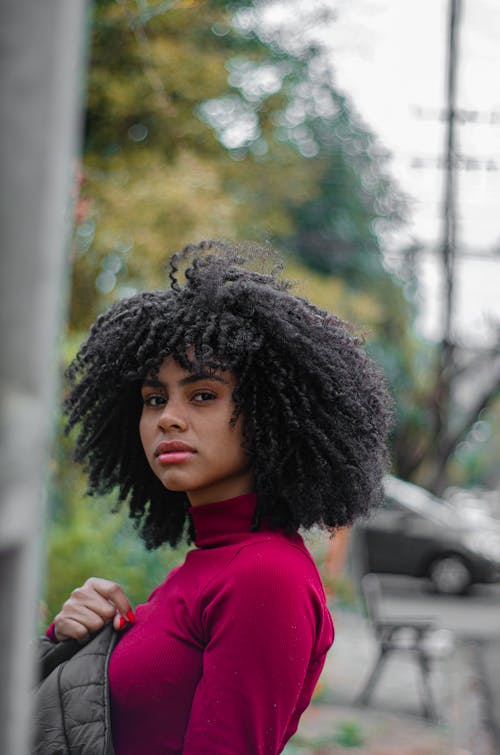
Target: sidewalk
[(488, 661), (393, 723)]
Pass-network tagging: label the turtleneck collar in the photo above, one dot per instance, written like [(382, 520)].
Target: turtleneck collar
[(218, 523)]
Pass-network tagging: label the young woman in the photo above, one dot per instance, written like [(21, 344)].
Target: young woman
[(232, 412)]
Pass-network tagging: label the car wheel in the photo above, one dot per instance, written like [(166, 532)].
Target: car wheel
[(450, 575)]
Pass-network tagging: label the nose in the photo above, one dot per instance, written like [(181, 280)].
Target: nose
[(172, 417)]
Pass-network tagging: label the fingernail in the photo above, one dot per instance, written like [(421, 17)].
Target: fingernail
[(131, 617), (121, 623)]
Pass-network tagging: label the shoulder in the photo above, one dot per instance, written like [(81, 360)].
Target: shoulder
[(271, 585), (274, 559)]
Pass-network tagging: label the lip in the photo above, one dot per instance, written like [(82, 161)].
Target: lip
[(169, 446), (173, 452)]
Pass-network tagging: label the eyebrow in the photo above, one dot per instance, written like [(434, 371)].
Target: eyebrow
[(194, 377)]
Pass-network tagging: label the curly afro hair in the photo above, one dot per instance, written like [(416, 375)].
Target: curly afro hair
[(316, 410)]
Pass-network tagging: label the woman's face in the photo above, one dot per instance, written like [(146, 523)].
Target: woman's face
[(187, 436)]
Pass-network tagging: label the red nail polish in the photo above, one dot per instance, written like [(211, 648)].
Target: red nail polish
[(131, 617), (121, 623)]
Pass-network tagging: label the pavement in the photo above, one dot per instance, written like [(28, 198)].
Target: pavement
[(465, 680), (488, 664)]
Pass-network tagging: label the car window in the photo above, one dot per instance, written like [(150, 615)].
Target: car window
[(414, 499)]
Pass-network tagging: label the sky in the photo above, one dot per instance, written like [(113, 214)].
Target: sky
[(389, 57)]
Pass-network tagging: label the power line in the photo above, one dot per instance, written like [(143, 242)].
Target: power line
[(460, 162), (420, 249), (462, 115)]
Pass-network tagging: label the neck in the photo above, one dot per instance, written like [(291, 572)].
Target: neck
[(223, 522), (223, 490)]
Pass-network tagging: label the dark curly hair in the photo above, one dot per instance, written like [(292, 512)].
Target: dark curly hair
[(315, 408)]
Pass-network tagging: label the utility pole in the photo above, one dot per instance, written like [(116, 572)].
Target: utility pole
[(441, 401), (41, 83), (447, 429), (449, 209)]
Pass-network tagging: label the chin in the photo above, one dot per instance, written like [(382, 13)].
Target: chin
[(176, 486)]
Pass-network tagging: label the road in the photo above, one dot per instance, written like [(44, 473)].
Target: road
[(474, 616)]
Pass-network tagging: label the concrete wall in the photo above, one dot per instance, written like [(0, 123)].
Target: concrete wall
[(41, 55)]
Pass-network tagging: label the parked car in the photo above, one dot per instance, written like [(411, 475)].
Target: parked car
[(476, 504), (416, 534)]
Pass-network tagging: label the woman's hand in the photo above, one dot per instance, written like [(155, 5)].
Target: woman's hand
[(90, 607)]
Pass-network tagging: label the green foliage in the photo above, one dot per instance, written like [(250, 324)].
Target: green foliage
[(475, 460), (87, 540), (349, 734), (337, 227), (202, 123)]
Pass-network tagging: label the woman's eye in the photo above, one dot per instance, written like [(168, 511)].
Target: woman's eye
[(200, 397), (153, 400)]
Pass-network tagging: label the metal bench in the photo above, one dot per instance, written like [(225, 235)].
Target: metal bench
[(407, 635)]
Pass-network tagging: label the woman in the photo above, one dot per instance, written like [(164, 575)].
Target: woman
[(232, 412)]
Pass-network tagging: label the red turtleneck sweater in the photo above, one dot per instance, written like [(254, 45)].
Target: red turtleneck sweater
[(224, 656)]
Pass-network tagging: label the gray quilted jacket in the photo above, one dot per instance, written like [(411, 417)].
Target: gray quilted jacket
[(72, 709)]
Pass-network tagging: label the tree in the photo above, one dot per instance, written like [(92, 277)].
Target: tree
[(203, 122)]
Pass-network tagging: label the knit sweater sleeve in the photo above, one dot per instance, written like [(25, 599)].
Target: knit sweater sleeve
[(267, 632)]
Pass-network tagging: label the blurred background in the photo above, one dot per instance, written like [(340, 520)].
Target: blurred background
[(361, 138)]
